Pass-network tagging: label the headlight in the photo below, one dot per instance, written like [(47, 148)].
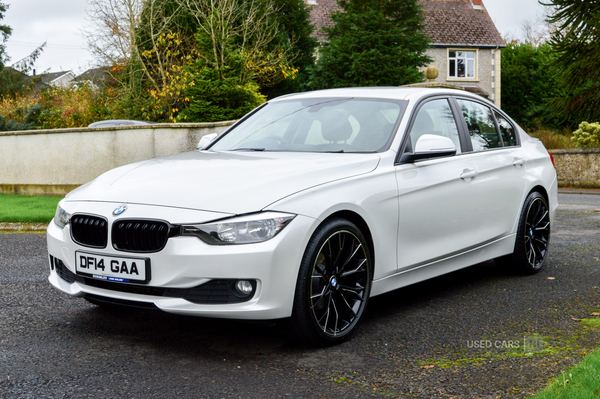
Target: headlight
[(61, 218), (240, 230)]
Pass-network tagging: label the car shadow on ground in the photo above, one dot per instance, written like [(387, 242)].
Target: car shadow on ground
[(198, 336)]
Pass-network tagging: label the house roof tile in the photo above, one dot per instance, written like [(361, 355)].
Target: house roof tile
[(320, 16), (447, 22), (458, 22), (51, 76)]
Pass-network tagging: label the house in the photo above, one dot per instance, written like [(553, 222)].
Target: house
[(60, 79), (95, 77), (465, 44)]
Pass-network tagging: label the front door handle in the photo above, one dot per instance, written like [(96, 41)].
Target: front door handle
[(468, 174), (518, 161)]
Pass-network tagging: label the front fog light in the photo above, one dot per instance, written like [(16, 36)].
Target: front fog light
[(244, 288)]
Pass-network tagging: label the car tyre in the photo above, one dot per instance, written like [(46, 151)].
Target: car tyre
[(334, 283), (533, 237)]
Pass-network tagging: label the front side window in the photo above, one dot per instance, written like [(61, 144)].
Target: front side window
[(481, 126), (434, 117), (461, 64)]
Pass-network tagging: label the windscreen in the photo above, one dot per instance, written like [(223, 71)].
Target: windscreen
[(316, 125)]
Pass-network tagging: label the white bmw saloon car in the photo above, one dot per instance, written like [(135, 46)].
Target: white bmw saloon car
[(310, 205)]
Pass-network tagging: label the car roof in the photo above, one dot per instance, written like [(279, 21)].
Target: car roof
[(392, 93)]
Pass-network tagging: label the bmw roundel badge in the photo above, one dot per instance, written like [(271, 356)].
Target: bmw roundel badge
[(120, 210)]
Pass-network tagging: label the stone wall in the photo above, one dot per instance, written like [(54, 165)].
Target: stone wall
[(577, 168), (53, 162)]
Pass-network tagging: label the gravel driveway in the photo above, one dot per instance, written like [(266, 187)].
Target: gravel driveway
[(476, 333)]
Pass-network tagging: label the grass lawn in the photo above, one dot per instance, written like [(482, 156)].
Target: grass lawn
[(580, 382), (27, 208)]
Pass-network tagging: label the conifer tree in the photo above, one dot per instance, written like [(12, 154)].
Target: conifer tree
[(576, 43), (373, 43)]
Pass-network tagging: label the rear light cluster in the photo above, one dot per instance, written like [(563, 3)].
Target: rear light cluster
[(551, 158)]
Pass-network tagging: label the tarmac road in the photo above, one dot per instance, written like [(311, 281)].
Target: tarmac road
[(476, 333)]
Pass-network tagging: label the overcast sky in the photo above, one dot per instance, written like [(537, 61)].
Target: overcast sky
[(59, 23)]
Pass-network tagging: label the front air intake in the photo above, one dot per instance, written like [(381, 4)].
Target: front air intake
[(89, 230), (141, 235)]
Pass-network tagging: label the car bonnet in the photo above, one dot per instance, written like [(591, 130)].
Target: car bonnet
[(234, 183)]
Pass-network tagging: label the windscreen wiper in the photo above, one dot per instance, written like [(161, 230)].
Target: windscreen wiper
[(248, 149)]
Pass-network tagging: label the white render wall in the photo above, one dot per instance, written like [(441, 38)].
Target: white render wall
[(55, 161)]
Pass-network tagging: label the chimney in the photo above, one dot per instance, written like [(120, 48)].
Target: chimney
[(477, 4)]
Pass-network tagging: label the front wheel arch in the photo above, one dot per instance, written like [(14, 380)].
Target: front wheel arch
[(334, 283), (362, 225)]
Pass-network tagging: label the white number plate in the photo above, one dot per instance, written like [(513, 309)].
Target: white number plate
[(112, 268)]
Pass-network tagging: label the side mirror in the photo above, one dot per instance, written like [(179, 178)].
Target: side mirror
[(431, 146), (206, 140)]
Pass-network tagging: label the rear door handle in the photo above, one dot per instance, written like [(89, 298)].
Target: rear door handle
[(518, 162), (468, 174)]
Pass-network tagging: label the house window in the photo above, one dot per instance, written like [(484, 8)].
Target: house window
[(461, 64)]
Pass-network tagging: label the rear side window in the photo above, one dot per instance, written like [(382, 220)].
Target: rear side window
[(481, 126), (507, 131)]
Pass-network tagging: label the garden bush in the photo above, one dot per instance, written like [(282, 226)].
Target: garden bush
[(588, 135), (54, 108)]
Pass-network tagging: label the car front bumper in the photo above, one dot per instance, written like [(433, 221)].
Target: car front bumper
[(188, 262)]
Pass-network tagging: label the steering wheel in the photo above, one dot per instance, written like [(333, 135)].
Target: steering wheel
[(279, 139)]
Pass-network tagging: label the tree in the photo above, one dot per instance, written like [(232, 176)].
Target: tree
[(14, 80), (238, 49), (112, 29), (5, 32), (373, 43), (529, 81), (233, 29), (293, 17), (169, 55), (576, 44), (135, 38)]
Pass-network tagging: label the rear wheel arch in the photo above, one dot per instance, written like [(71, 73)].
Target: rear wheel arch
[(533, 235), (541, 190)]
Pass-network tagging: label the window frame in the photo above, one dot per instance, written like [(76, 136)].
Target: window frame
[(465, 146), (464, 129), (508, 120), (475, 78)]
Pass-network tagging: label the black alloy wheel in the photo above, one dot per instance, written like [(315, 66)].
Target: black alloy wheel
[(533, 237), (334, 283), (537, 232)]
